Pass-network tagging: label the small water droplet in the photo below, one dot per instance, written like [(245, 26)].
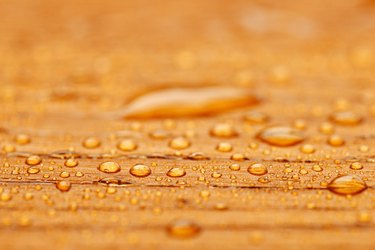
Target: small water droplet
[(326, 128), (223, 130), (109, 167), (71, 163), (91, 142), (307, 149), (356, 166), (183, 229), (336, 140), (347, 185), (179, 143), (127, 145), (9, 148), (63, 186), (140, 170), (280, 136), (33, 160), (238, 157), (256, 117), (176, 172), (33, 170), (317, 168), (22, 139), (224, 147), (257, 169), (5, 196), (235, 167)]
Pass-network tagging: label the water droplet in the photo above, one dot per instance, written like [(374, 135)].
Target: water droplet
[(317, 168), (280, 136), (336, 140), (63, 186), (235, 167), (9, 148), (33, 160), (5, 196), (224, 147), (256, 117), (109, 167), (347, 185), (179, 143), (184, 102), (22, 139), (346, 118), (307, 149), (159, 134), (238, 157), (71, 163), (140, 170), (183, 229), (356, 166), (326, 128), (64, 174), (299, 124), (257, 169), (91, 142), (176, 172), (33, 170), (216, 174), (364, 217), (127, 145), (223, 130), (197, 156)]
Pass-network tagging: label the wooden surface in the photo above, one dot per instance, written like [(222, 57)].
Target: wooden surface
[(65, 63)]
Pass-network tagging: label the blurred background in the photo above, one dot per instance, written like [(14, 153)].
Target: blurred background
[(94, 55)]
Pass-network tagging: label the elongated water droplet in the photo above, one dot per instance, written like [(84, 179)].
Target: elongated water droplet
[(183, 229), (109, 167), (140, 170), (347, 184), (346, 118), (184, 102)]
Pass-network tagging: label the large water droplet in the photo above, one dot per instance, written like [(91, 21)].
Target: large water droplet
[(183, 102), (346, 118), (347, 184)]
